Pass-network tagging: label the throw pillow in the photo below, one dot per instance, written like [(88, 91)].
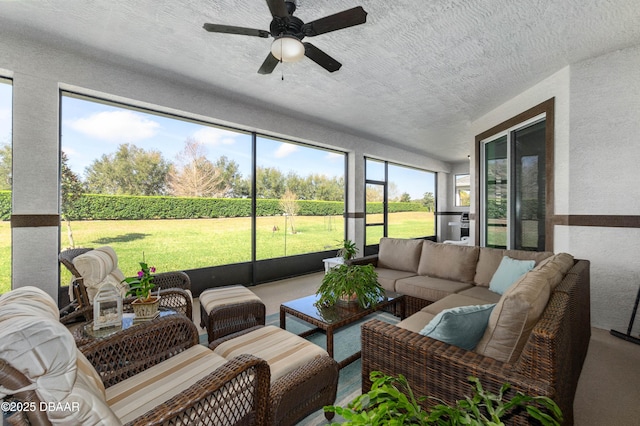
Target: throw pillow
[(462, 326), (508, 273)]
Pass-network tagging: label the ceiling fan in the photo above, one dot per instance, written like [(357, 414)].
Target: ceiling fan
[(288, 32)]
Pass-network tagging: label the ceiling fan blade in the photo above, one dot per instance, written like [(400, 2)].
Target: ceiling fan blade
[(340, 20), (268, 65), (229, 29), (321, 58), (278, 8)]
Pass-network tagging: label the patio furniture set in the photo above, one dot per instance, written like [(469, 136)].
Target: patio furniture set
[(250, 373)]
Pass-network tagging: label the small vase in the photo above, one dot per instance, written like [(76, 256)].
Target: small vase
[(144, 309)]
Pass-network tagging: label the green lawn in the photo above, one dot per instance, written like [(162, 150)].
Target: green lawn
[(193, 243)]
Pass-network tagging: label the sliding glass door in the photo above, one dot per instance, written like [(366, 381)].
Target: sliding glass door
[(513, 188)]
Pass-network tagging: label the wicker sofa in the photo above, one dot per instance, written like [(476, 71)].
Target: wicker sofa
[(544, 356), (155, 373)]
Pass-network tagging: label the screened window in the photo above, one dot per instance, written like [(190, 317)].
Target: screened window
[(400, 201), (181, 191), (6, 93), (300, 198), (462, 190), (175, 190)]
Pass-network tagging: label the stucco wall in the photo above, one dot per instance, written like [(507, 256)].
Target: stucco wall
[(605, 159), (597, 154)]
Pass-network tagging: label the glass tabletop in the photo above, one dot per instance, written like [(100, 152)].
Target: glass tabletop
[(336, 313), (128, 320)]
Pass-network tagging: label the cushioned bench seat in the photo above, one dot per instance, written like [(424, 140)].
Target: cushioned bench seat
[(133, 397), (304, 378), (230, 309)]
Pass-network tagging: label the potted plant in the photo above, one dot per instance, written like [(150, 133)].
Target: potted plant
[(145, 304), (391, 401), (350, 283), (348, 250)]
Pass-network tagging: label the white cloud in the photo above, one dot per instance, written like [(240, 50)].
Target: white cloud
[(116, 126), (285, 150), (334, 156), (214, 136)]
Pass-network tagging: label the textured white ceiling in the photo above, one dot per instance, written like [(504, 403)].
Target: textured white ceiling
[(415, 75)]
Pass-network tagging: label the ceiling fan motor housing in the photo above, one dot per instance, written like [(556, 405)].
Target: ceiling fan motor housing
[(290, 25)]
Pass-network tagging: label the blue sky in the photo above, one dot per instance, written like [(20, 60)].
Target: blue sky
[(91, 129), (5, 112)]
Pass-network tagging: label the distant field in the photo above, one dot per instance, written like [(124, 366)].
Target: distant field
[(187, 244)]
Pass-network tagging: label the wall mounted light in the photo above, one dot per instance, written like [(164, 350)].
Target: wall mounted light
[(287, 49)]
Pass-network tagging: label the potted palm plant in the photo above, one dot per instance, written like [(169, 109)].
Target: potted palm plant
[(348, 283), (145, 304)]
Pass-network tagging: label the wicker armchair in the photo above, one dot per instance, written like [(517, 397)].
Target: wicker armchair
[(160, 357), (174, 288)]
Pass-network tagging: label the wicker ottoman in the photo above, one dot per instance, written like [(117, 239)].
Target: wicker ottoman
[(227, 310), (304, 378)]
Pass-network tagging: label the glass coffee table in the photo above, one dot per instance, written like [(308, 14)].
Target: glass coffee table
[(331, 318)]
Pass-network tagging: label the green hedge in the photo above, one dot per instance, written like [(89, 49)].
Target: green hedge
[(5, 205), (126, 207)]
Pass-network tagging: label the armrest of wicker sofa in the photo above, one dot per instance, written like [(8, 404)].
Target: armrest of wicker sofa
[(434, 368), (235, 393), (366, 260), (137, 348)]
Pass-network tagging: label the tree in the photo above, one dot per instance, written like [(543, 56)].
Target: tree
[(195, 175), (130, 170), (429, 201), (70, 191), (405, 197), (270, 183), (5, 166), (290, 207)]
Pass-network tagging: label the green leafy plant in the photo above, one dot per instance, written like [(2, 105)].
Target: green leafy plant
[(349, 282), (348, 250), (141, 285), (391, 402)]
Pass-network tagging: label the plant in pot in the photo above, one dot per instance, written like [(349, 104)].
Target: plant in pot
[(350, 283), (145, 304)]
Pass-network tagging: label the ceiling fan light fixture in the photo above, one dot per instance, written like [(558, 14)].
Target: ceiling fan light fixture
[(287, 49)]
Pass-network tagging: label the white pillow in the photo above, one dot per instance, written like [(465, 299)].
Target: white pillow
[(97, 267)]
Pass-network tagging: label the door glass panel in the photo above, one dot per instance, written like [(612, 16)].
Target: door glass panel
[(496, 195), (529, 188)]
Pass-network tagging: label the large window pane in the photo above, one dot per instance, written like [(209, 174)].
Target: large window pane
[(300, 194), (176, 190), (496, 193), (411, 202), (5, 184)]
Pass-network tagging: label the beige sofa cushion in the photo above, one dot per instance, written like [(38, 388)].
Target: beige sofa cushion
[(453, 301), (489, 259), (416, 322), (429, 288), (513, 318), (448, 261), (388, 277), (556, 267), (399, 253)]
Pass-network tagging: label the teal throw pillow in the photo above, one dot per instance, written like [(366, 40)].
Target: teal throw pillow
[(509, 271), (462, 326)]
